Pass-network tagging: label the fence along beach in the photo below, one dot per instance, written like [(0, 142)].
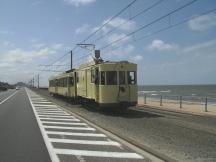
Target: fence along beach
[(191, 98)]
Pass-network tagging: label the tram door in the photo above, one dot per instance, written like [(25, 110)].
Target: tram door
[(124, 89), (97, 84), (56, 86)]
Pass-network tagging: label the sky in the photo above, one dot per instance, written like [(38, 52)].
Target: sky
[(34, 33)]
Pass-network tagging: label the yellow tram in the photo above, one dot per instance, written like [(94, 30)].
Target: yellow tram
[(109, 84)]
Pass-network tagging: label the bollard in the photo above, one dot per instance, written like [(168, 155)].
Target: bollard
[(206, 104), (180, 101), (144, 99), (161, 104)]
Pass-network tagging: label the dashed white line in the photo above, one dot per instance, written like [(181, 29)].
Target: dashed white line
[(55, 119), (76, 134), (56, 116), (85, 142), (63, 123), (70, 128), (98, 153)]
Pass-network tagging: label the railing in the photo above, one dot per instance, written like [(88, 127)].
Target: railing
[(180, 101)]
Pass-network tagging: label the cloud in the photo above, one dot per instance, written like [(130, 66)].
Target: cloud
[(202, 23), (78, 3), (160, 45), (19, 56), (137, 58), (117, 23), (205, 49), (115, 36), (83, 29)]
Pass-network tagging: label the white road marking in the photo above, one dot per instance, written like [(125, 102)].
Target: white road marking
[(98, 153), (51, 110), (70, 128), (85, 142), (47, 108), (76, 134), (54, 119), (63, 123), (8, 98), (42, 102), (52, 114), (50, 148), (56, 116), (38, 105)]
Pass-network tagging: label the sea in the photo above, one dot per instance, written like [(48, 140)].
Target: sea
[(194, 93)]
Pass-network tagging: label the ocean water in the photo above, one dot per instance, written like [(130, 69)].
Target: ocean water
[(195, 93)]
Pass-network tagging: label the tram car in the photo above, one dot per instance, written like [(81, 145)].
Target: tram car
[(109, 84)]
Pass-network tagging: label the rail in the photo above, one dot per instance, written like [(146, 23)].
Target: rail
[(205, 103)]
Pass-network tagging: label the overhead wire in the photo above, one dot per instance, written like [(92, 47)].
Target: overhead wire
[(149, 24), (169, 27), (131, 18)]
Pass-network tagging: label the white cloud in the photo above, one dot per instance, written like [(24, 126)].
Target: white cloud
[(137, 58), (19, 55), (83, 29), (203, 23), (78, 3), (117, 23), (200, 47), (121, 52), (115, 36), (161, 46)]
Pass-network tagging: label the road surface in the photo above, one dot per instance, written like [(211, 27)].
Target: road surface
[(35, 129), (181, 137)]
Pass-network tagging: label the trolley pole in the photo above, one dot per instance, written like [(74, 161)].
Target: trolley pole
[(71, 59), (161, 104), (206, 104), (38, 81), (33, 82), (144, 99)]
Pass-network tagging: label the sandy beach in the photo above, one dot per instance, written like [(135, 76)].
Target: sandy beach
[(191, 107)]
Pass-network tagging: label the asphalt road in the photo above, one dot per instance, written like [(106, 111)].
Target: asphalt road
[(20, 137), (34, 129), (182, 137)]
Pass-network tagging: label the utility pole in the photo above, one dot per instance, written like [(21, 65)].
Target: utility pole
[(38, 81), (71, 59), (33, 82)]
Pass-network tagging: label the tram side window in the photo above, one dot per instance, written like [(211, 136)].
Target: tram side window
[(131, 77), (71, 81), (92, 75), (65, 82), (77, 77), (102, 77), (111, 77), (121, 77)]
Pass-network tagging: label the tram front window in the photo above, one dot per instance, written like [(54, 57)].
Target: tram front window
[(111, 77), (131, 77)]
